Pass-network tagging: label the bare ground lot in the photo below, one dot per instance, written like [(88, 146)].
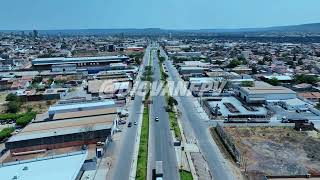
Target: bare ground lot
[(277, 150), (38, 106)]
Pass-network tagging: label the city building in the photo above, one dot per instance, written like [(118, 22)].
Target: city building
[(47, 63), (191, 70), (62, 133), (110, 87), (64, 166), (81, 109), (261, 94)]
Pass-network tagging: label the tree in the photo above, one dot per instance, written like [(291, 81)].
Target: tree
[(137, 60), (294, 58), (11, 97), (171, 102), (254, 70), (302, 78), (234, 63), (273, 81), (247, 84), (5, 133), (25, 119), (300, 62), (261, 62), (13, 106)]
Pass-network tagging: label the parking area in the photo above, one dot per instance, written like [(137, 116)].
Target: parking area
[(281, 112)]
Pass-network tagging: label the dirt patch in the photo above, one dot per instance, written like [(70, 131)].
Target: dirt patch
[(37, 106), (277, 150)]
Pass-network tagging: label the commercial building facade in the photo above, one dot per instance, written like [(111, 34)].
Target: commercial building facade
[(262, 94), (47, 63)]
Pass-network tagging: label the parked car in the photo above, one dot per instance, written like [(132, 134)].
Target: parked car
[(157, 118), (121, 122)]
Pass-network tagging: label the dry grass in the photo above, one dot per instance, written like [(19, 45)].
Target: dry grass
[(277, 150), (37, 106)]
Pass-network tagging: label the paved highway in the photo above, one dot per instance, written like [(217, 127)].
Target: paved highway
[(198, 124), (123, 155), (160, 138)]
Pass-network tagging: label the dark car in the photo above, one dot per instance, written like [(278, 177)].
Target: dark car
[(129, 124)]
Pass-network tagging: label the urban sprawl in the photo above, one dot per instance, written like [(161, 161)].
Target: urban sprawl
[(167, 107)]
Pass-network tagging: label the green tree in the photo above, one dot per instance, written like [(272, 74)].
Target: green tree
[(171, 102), (234, 63), (137, 60), (254, 70), (25, 119), (302, 78), (14, 106), (247, 84), (12, 97), (5, 133), (273, 81)]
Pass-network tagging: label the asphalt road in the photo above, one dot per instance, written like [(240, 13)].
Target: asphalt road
[(190, 115), (123, 157), (160, 142)]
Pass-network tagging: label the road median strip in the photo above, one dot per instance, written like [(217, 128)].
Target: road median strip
[(142, 164)]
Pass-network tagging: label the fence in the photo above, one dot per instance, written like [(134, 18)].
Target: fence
[(229, 144)]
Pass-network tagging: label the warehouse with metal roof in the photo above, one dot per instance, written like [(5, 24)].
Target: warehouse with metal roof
[(65, 166), (62, 133), (46, 63)]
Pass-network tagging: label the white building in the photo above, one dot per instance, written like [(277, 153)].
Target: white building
[(261, 94), (294, 104)]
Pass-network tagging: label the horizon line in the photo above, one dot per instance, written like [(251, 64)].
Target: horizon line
[(168, 29)]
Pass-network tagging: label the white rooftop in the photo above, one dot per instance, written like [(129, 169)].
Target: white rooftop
[(70, 107), (242, 110), (279, 77), (64, 167)]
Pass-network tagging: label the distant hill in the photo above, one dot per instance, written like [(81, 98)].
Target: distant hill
[(303, 28)]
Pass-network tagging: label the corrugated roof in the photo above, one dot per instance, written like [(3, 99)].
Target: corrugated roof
[(77, 106), (62, 60), (265, 90), (66, 167), (62, 127)]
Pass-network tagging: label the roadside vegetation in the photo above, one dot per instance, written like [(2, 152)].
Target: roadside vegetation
[(142, 164), (164, 75), (6, 133), (171, 101), (185, 175), (143, 147), (147, 74), (137, 57), (173, 116)]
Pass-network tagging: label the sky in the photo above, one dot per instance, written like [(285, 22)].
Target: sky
[(167, 14)]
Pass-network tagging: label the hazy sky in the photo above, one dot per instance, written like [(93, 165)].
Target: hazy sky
[(173, 14)]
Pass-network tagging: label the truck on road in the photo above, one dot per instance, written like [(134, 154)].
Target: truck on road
[(159, 170)]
